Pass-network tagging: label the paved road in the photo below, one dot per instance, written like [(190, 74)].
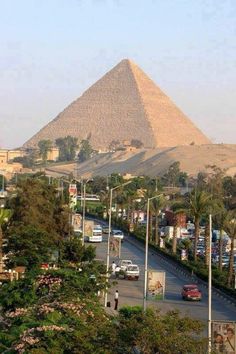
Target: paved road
[(131, 292)]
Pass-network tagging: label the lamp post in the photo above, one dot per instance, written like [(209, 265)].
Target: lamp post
[(146, 253), (109, 234), (209, 287)]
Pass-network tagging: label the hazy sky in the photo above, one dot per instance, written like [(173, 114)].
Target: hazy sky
[(52, 50)]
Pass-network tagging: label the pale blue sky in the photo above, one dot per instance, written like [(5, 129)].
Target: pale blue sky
[(52, 50)]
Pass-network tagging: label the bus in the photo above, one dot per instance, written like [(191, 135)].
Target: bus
[(89, 197), (96, 234)]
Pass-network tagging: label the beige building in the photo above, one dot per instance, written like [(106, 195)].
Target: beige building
[(8, 155), (53, 154)]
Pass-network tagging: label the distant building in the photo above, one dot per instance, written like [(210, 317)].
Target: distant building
[(172, 219), (53, 154), (7, 156)]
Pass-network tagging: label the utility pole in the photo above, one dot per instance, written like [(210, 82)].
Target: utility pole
[(109, 235), (209, 287), (146, 253)]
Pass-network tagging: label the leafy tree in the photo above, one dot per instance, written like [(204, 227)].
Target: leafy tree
[(115, 179), (150, 332), (3, 182), (174, 176), (4, 217), (114, 145), (86, 151), (29, 246), (29, 160), (37, 203), (136, 143), (44, 147), (67, 148), (99, 184), (73, 251), (229, 186)]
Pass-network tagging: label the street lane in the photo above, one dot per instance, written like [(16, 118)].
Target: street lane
[(131, 292)]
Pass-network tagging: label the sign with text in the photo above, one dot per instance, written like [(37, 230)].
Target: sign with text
[(156, 285), (223, 337)]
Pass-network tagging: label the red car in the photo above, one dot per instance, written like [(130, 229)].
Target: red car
[(191, 292)]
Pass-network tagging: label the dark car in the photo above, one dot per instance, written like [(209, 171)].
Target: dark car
[(191, 292)]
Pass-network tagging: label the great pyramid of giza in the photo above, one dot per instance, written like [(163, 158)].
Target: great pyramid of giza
[(124, 104)]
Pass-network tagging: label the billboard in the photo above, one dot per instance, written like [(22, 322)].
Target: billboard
[(77, 222), (156, 285), (223, 337), (72, 190), (115, 246), (184, 255)]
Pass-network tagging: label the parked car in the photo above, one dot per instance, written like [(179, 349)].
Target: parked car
[(191, 292), (132, 272), (118, 234)]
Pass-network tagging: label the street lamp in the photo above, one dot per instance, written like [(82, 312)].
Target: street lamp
[(209, 287), (146, 253), (109, 234)]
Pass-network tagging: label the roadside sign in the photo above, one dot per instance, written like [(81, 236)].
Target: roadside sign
[(115, 246), (156, 285), (223, 337), (72, 189)]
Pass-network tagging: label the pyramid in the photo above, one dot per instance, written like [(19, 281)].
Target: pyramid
[(124, 104)]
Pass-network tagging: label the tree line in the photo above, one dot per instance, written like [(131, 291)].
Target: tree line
[(213, 193), (69, 149), (59, 310)]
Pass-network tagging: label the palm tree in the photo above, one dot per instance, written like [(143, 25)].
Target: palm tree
[(230, 229), (4, 216), (198, 206), (179, 208), (156, 206), (220, 219)]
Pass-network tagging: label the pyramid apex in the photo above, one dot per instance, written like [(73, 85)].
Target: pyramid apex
[(127, 61)]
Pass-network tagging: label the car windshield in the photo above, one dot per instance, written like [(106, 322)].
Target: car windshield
[(132, 268), (191, 288), (126, 262)]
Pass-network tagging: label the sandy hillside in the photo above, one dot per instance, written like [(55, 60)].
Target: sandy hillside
[(152, 162)]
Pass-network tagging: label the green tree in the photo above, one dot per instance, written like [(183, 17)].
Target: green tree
[(219, 220), (151, 332), (229, 186), (29, 246), (157, 205), (198, 205), (136, 143), (86, 151), (230, 229), (44, 147), (4, 217), (178, 210), (3, 183), (67, 148), (174, 176)]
